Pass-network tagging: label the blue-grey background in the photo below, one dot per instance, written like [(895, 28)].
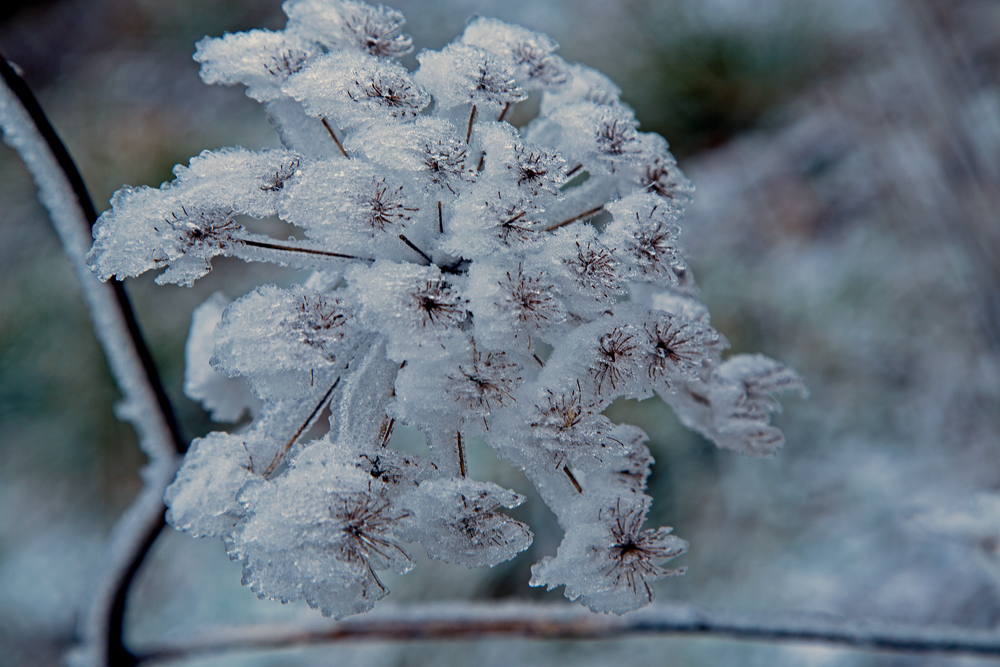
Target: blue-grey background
[(847, 163)]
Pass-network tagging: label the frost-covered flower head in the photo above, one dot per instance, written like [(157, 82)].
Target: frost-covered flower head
[(470, 279)]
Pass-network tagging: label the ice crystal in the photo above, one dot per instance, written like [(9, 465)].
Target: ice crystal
[(470, 278)]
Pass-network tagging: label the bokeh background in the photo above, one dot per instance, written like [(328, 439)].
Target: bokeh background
[(846, 157)]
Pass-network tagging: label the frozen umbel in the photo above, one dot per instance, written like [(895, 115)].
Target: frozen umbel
[(470, 279)]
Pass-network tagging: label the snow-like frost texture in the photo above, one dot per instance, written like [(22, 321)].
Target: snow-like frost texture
[(225, 398), (456, 522), (184, 224), (280, 339), (202, 500), (461, 75), (320, 532), (354, 88), (529, 53), (349, 25), (470, 279), (260, 59)]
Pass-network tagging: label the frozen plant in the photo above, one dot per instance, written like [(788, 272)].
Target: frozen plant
[(470, 279)]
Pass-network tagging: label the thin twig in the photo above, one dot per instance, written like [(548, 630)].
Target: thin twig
[(333, 136), (310, 251), (440, 220), (572, 479), (385, 431), (472, 119), (503, 113), (310, 420), (470, 621), (415, 249), (146, 404), (582, 216), (461, 455)]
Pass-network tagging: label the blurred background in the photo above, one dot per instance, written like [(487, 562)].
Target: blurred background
[(846, 157)]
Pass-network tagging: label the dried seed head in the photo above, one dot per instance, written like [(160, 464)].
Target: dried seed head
[(383, 207), (438, 304), (614, 356)]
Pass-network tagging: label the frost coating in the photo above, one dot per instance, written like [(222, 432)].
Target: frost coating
[(463, 243), (224, 397)]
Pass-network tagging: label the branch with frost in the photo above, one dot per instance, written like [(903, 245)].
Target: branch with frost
[(463, 621), (145, 404)]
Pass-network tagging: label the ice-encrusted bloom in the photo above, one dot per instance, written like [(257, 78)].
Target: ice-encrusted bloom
[(620, 560), (469, 279)]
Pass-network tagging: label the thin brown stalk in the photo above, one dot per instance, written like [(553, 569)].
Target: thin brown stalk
[(503, 113), (461, 455), (472, 119), (310, 420), (583, 216), (385, 431), (562, 622), (333, 135), (572, 479), (308, 251), (415, 249)]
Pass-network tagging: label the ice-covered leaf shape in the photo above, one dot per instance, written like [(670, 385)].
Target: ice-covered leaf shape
[(461, 75), (225, 398), (611, 563), (356, 209), (429, 146), (588, 271), (182, 225), (486, 220), (320, 533), (513, 301), (418, 308), (260, 59), (743, 398), (347, 24), (512, 166), (456, 520), (646, 234), (476, 384), (582, 84), (529, 53), (280, 339), (602, 137), (202, 499), (351, 88)]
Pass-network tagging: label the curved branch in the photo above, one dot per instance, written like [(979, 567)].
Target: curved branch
[(62, 191), (457, 621)]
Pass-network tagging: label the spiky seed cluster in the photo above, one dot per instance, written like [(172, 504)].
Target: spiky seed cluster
[(446, 246)]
